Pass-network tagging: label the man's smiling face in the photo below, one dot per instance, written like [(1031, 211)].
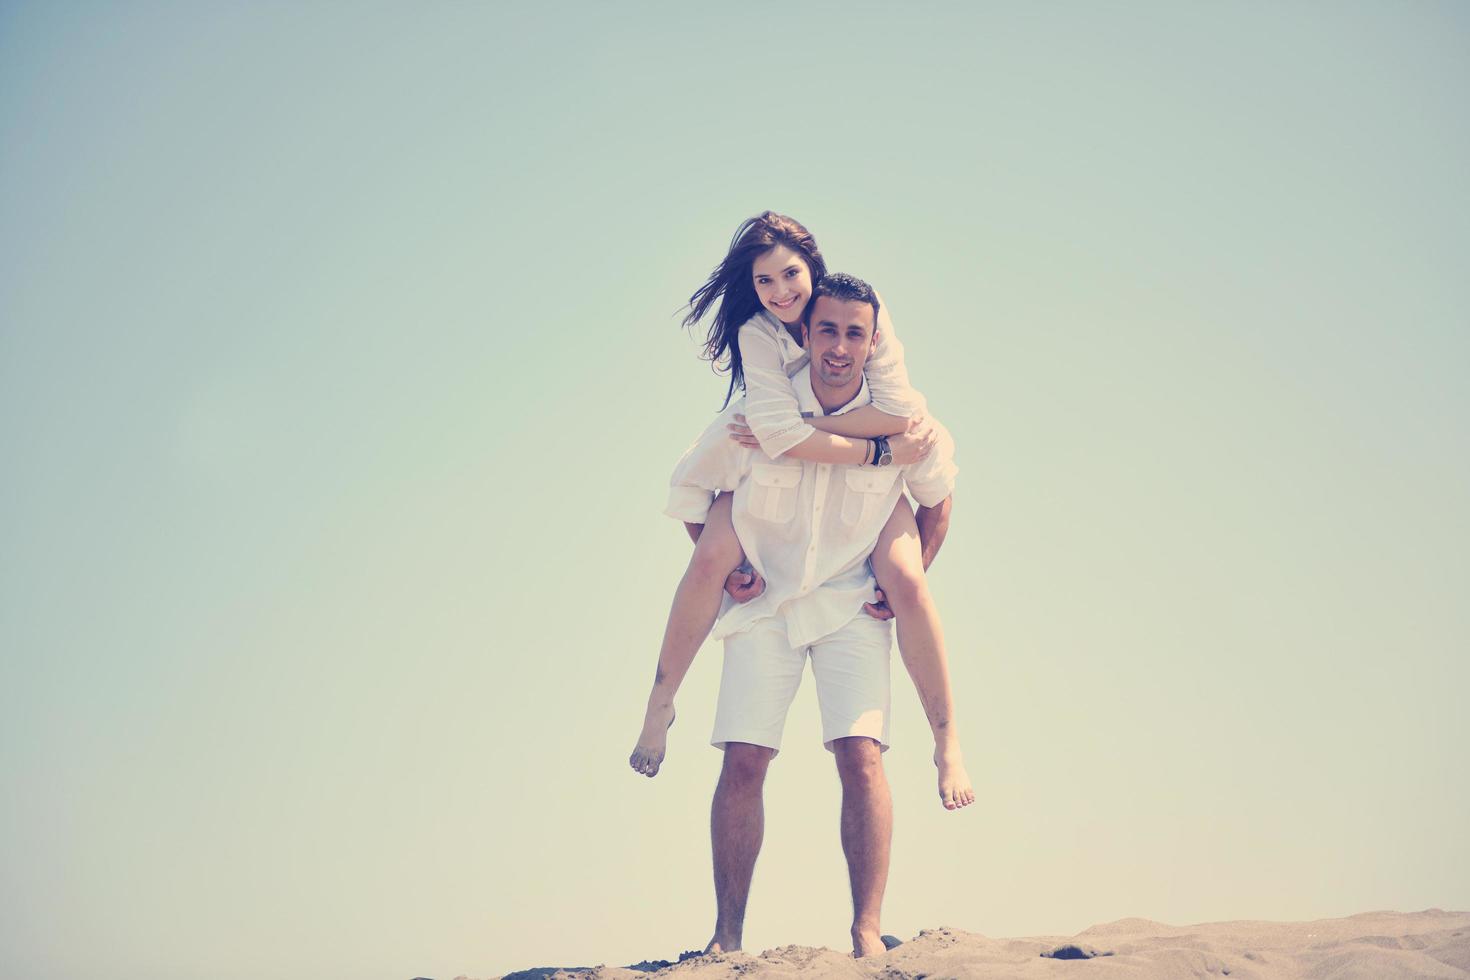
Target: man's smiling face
[(840, 334)]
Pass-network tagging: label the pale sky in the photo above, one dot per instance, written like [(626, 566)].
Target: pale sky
[(340, 381)]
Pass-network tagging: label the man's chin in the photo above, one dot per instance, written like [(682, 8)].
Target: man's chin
[(836, 382)]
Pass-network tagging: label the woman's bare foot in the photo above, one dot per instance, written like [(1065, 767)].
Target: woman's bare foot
[(954, 783), (648, 754)]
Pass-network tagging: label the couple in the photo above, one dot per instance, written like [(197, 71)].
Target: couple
[(808, 525)]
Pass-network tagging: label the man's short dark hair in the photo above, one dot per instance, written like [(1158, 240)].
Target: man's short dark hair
[(847, 289)]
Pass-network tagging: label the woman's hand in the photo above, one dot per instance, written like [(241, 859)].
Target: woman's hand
[(915, 444), (741, 433)]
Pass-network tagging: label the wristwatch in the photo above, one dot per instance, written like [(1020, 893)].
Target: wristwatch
[(882, 455)]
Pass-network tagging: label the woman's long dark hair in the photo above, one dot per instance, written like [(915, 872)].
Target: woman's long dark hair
[(731, 284)]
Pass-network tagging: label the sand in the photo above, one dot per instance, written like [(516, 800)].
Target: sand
[(1369, 946)]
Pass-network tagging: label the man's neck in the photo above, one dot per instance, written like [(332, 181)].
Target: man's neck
[(834, 399)]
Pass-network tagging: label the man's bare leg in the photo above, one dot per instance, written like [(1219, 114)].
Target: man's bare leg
[(898, 565), (695, 607), (737, 824), (867, 831)]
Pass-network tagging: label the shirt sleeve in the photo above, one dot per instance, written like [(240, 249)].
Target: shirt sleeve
[(771, 410), (933, 478), (714, 463), (888, 378)]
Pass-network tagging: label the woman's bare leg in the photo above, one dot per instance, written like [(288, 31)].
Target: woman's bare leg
[(899, 567), (717, 553)]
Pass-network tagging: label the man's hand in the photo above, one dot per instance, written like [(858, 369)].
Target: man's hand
[(878, 609), (741, 433), (915, 444), (745, 583)]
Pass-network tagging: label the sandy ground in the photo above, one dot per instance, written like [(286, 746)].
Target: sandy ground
[(1369, 946)]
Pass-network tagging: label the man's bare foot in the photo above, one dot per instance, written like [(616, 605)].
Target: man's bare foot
[(726, 944), (955, 791), (865, 943), (648, 754)]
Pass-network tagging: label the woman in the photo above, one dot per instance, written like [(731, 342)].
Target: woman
[(762, 287)]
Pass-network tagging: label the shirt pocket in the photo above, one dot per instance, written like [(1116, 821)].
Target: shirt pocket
[(866, 490), (773, 492)]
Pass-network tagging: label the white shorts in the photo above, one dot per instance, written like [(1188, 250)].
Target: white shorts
[(762, 673)]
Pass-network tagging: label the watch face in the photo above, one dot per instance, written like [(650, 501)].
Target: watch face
[(885, 459)]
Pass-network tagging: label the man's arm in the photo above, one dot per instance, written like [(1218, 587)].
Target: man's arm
[(933, 479), (933, 526)]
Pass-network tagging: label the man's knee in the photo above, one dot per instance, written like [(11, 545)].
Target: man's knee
[(859, 760), (745, 764)]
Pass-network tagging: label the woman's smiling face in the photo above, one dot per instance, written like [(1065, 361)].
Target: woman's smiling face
[(783, 282)]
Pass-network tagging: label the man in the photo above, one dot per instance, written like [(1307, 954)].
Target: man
[(807, 529)]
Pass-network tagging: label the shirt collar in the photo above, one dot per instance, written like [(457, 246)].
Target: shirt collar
[(806, 398), (778, 329)]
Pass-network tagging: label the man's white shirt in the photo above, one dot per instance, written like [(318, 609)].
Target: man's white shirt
[(807, 527)]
